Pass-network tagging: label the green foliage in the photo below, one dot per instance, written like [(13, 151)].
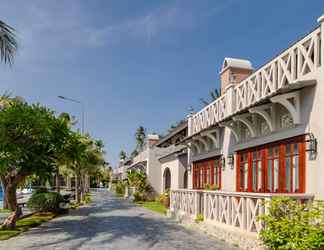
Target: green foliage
[(153, 206), (199, 218), (294, 226), (8, 43), (45, 201), (214, 94), (140, 136), (120, 188), (31, 138), (40, 190), (87, 198), (138, 179), (139, 196), (211, 187), (122, 155)]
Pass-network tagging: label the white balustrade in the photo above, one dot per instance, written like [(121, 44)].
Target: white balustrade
[(237, 209), (186, 201), (295, 65)]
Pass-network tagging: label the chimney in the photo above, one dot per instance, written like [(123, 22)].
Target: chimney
[(152, 139), (233, 72)]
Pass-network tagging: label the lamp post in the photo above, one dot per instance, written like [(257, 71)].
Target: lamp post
[(82, 109), (82, 122)]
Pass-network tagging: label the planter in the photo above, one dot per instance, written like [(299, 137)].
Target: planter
[(166, 201)]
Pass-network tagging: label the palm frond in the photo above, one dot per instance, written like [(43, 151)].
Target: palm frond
[(8, 43)]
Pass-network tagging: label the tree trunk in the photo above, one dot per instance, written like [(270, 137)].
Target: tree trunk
[(82, 186), (10, 194), (77, 193)]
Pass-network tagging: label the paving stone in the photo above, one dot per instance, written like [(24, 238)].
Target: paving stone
[(112, 223)]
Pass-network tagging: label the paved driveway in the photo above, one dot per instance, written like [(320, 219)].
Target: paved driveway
[(112, 223)]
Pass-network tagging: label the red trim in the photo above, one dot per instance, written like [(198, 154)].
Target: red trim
[(283, 156), (200, 172)]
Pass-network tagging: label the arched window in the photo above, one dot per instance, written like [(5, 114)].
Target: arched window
[(167, 179)]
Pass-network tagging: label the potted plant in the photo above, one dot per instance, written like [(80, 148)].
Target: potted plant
[(166, 198)]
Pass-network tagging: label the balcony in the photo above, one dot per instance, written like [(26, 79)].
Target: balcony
[(294, 68)]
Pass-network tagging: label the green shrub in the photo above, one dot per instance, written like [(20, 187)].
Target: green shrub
[(199, 218), (138, 196), (120, 188), (45, 202), (40, 190), (292, 225), (87, 198), (211, 187)]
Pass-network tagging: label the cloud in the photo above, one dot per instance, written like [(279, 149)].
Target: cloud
[(59, 29)]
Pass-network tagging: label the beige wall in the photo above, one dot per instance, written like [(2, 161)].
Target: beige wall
[(177, 169)]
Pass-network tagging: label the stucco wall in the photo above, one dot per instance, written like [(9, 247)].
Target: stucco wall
[(177, 167), (154, 170)]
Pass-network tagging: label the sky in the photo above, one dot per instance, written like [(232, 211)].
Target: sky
[(140, 63)]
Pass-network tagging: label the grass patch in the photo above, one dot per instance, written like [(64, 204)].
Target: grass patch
[(155, 206), (24, 224), (86, 200), (4, 210)]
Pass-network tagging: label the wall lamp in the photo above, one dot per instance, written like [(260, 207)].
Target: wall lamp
[(223, 163), (311, 146), (230, 161)]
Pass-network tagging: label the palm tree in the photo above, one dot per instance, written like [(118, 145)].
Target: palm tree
[(140, 138), (214, 94), (8, 43), (122, 155)]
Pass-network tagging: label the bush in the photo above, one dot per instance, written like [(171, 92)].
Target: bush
[(139, 196), (199, 218), (292, 225), (120, 188), (45, 202), (40, 190), (211, 187)]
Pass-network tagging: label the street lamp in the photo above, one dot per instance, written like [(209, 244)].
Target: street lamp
[(82, 107), (82, 124)]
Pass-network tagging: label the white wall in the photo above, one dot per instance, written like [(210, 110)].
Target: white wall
[(177, 169)]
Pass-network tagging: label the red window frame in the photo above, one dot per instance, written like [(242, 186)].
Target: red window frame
[(281, 165), (204, 173)]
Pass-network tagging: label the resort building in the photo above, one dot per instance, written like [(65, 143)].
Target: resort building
[(174, 161), (147, 162), (261, 138), (262, 133)]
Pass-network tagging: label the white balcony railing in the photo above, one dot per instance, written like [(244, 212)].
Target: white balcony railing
[(236, 209), (295, 65)]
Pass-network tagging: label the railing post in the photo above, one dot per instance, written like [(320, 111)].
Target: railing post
[(230, 100), (244, 213), (197, 203), (320, 20), (189, 124), (205, 205)]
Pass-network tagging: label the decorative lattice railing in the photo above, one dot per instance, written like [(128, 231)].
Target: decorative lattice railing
[(236, 209), (295, 65)]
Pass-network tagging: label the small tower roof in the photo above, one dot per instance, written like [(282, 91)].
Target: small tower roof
[(236, 63)]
